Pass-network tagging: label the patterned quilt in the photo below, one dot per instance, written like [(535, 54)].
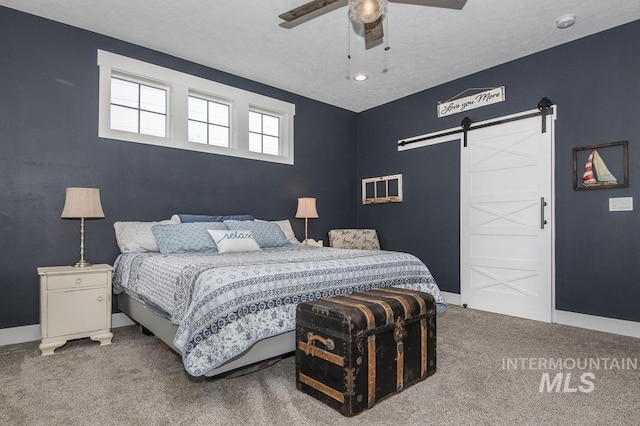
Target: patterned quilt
[(225, 302)]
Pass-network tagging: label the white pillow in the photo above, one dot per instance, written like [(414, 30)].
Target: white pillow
[(236, 240), (137, 236), (285, 225)]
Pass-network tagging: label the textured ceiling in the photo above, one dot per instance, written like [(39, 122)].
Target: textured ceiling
[(428, 45)]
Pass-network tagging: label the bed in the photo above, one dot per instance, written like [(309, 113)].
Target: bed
[(223, 310)]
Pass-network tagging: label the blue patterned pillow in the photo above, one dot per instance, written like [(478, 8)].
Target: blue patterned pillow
[(267, 234), (188, 218), (186, 237)]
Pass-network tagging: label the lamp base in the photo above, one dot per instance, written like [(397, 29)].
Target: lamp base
[(311, 242), (82, 263)]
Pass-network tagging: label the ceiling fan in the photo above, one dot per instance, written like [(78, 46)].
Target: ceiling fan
[(369, 13)]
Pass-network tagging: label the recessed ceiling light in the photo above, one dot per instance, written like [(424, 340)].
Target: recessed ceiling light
[(566, 21), (360, 77)]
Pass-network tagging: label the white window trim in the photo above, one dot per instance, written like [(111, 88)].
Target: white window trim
[(179, 86)]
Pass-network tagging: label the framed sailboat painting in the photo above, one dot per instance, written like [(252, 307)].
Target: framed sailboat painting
[(591, 171)]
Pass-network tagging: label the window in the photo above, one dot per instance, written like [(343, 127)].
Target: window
[(208, 122), (264, 133), (145, 103), (138, 108)]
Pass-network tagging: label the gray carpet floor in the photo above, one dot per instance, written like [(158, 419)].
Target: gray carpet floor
[(135, 381)]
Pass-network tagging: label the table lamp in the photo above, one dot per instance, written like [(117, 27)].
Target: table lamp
[(306, 210), (82, 203)]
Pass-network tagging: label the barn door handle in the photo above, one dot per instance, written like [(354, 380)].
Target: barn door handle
[(543, 222)]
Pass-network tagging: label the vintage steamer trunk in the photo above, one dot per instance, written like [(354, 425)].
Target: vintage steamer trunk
[(355, 349)]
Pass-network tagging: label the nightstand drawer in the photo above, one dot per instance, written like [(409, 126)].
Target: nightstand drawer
[(92, 279)]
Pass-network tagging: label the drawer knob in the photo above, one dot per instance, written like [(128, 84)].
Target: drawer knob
[(100, 298), (78, 280)]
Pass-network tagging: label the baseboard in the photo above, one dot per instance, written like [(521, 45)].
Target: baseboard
[(592, 322), (120, 320), (27, 333), (451, 298), (30, 333)]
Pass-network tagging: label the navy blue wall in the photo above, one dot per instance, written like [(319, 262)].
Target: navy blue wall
[(48, 141), (594, 82)]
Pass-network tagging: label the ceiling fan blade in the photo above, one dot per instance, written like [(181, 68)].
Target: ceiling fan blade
[(305, 9), (447, 4), (373, 33)]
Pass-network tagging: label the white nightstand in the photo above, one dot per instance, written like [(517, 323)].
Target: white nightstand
[(74, 303), (311, 242)]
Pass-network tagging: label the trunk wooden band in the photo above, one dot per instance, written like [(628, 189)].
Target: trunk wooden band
[(372, 299), (412, 293), (321, 387), (371, 346), (423, 326), (314, 351), (371, 355), (400, 366), (405, 306), (423, 348), (415, 295)]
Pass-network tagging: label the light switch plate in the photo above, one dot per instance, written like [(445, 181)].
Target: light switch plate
[(621, 204)]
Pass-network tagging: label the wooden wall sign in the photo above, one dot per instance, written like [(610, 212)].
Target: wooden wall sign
[(454, 106)]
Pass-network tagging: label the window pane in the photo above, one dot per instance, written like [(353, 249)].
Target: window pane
[(197, 132), (152, 99), (255, 142), (124, 119), (218, 114), (270, 145), (218, 135), (197, 109), (393, 188), (124, 93), (270, 124), (255, 122), (152, 124)]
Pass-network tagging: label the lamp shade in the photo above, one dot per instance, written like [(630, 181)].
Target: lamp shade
[(82, 203), (307, 208)]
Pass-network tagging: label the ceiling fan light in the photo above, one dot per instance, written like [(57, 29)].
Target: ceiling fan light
[(367, 11)]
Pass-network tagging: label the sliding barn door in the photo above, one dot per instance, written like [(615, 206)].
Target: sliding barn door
[(506, 214)]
